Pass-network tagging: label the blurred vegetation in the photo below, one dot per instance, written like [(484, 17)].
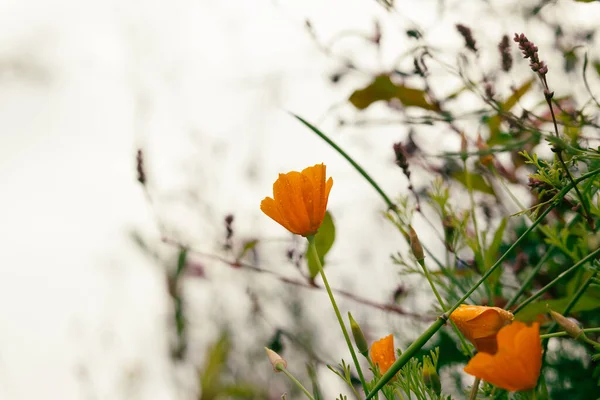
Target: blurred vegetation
[(508, 148)]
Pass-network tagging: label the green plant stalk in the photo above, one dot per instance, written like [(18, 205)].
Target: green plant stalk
[(574, 300), (408, 354), (312, 249), (564, 333), (558, 152), (433, 288), (528, 280), (296, 381), (480, 249), (543, 290), (475, 389)]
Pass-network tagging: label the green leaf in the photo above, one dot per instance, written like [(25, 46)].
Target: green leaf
[(494, 122), (240, 391), (323, 241), (477, 182), (491, 255), (312, 374), (597, 66), (210, 378), (587, 302), (516, 96), (249, 245), (382, 88)]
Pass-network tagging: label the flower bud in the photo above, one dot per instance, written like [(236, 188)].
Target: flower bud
[(415, 244), (431, 377), (569, 326), (277, 362), (359, 338)]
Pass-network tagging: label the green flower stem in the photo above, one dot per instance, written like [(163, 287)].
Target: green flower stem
[(528, 280), (312, 249), (443, 305), (296, 381), (480, 248), (574, 300), (564, 333), (433, 288), (543, 290)]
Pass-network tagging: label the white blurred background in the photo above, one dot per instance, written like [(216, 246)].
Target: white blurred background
[(204, 89)]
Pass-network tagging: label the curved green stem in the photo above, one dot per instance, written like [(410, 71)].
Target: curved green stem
[(555, 280), (564, 333), (312, 250), (297, 382), (528, 280)]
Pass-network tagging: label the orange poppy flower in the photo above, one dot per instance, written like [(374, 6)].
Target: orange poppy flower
[(517, 364), (299, 200), (480, 325), (383, 353)]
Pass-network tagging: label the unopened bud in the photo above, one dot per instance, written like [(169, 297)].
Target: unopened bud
[(569, 326), (359, 338), (415, 244), (431, 377), (277, 362)]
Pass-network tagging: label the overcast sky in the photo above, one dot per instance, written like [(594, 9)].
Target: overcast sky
[(203, 87)]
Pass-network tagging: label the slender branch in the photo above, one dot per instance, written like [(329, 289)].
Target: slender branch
[(295, 282), (555, 280)]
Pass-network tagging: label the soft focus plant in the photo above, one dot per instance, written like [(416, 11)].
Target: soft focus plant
[(511, 206)]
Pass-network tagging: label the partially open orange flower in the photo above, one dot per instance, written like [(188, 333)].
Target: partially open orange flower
[(480, 325), (383, 353), (517, 364), (299, 200)]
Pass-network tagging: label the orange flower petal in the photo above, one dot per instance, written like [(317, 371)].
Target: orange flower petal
[(299, 200), (517, 364), (480, 324), (383, 353), (269, 207)]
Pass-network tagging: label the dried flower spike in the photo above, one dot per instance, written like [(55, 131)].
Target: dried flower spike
[(299, 200), (530, 51), (382, 353), (504, 48), (517, 364), (467, 34), (480, 325)]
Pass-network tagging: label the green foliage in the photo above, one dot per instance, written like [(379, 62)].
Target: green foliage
[(382, 88), (409, 382), (212, 376)]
